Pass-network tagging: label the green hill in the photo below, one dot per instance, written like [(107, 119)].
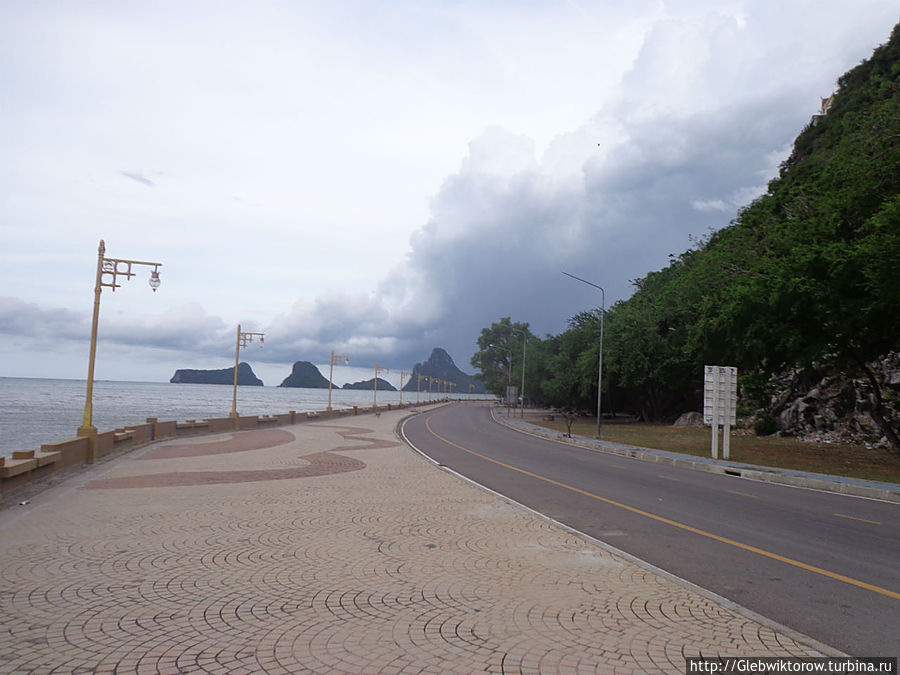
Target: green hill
[(802, 285)]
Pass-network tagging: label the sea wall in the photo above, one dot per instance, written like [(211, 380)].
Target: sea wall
[(27, 465)]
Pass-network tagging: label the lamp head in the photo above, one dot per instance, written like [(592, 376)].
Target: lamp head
[(154, 280)]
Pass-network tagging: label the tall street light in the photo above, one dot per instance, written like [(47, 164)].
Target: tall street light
[(335, 358), (108, 272), (524, 339), (243, 339), (418, 385), (378, 369), (600, 366)]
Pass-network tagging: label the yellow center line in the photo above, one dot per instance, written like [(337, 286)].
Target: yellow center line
[(674, 523), (862, 520), (659, 475)]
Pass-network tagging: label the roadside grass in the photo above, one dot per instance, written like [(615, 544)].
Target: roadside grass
[(786, 453)]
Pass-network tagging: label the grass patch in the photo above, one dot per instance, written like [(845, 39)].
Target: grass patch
[(785, 453)]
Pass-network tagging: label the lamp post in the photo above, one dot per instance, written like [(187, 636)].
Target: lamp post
[(243, 339), (418, 385), (334, 359), (378, 369), (524, 339), (108, 272), (600, 365)]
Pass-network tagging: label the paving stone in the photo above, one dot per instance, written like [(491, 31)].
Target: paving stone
[(329, 547)]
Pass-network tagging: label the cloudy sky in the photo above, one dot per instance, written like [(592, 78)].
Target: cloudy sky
[(377, 178)]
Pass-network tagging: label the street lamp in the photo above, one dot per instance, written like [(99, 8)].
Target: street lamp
[(334, 359), (243, 339), (524, 339), (108, 272), (378, 369), (600, 366), (418, 386)]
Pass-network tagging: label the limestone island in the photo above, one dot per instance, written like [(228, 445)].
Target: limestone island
[(306, 375), (440, 366), (245, 376), (383, 385)]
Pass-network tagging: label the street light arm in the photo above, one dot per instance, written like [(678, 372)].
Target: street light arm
[(600, 359)]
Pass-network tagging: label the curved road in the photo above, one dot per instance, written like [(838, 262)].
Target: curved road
[(824, 564)]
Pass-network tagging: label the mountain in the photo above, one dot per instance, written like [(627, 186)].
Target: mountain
[(305, 374), (441, 367), (245, 374), (383, 385)]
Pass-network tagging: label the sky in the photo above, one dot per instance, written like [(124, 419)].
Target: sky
[(377, 178)]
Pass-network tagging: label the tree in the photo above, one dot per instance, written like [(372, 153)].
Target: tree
[(500, 353)]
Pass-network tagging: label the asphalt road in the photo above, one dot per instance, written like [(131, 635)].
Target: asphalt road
[(824, 564)]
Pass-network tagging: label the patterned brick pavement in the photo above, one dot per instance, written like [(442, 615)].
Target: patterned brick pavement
[(328, 548)]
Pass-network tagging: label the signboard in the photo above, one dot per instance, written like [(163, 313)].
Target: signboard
[(720, 404), (512, 395), (720, 395)]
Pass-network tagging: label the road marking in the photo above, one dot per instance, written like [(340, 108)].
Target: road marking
[(677, 480), (741, 494), (674, 523), (862, 520)]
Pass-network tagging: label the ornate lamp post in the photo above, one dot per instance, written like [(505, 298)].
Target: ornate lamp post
[(243, 339), (378, 369), (108, 272), (418, 386), (600, 365), (334, 359)]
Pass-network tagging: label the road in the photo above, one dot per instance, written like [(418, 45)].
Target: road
[(824, 564)]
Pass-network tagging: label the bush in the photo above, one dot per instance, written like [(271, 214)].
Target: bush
[(764, 425)]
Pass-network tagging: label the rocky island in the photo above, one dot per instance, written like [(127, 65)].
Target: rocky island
[(383, 385), (305, 374), (245, 376), (440, 366)]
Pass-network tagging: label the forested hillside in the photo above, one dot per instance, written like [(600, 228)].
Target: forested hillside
[(802, 285)]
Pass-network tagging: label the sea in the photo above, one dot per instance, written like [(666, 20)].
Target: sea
[(36, 411)]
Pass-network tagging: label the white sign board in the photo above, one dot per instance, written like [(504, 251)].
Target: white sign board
[(719, 405), (512, 395), (720, 395)]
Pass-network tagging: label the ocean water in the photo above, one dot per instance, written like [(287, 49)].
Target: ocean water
[(37, 411)]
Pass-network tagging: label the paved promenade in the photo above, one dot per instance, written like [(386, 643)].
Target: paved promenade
[(329, 547)]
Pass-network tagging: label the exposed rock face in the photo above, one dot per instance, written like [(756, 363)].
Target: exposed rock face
[(245, 376), (383, 385), (305, 374), (689, 419), (441, 367), (826, 405)]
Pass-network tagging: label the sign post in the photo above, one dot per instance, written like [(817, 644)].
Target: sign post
[(719, 405)]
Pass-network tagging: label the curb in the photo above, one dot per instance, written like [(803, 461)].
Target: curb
[(847, 486), (731, 605)]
